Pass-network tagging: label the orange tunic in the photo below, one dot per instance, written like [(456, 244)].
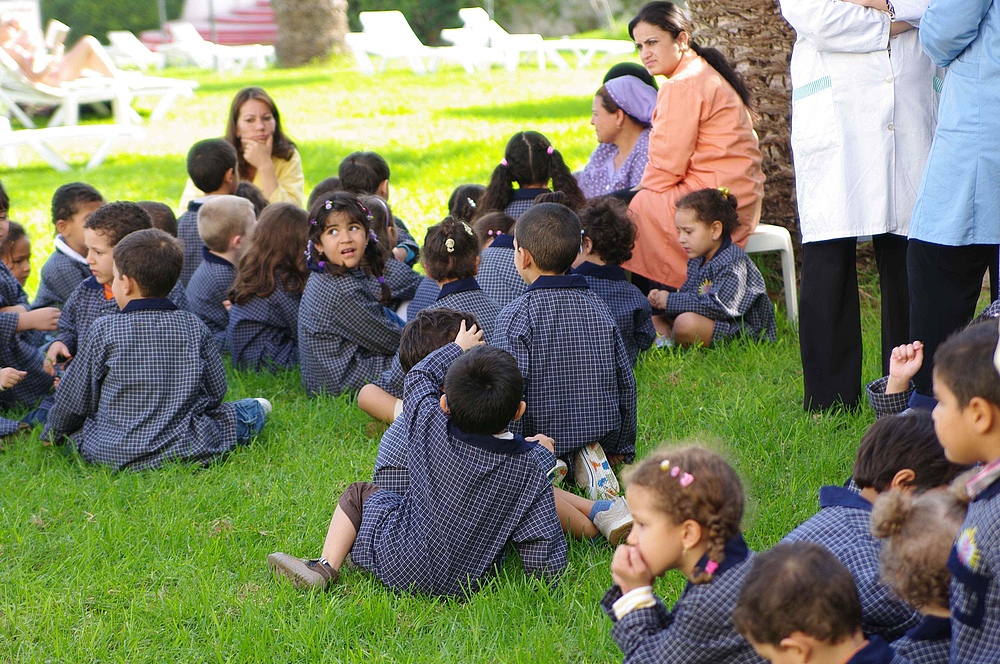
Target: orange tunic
[(702, 138)]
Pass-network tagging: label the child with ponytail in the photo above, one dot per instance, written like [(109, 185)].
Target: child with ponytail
[(686, 505), (346, 336), (399, 277), (531, 162), (497, 274)]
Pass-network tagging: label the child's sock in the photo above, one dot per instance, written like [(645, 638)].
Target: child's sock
[(322, 561), (600, 506)]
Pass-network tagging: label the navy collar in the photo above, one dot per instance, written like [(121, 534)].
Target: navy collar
[(515, 445), (838, 496), (148, 304), (876, 652), (989, 492), (91, 282), (459, 286), (503, 240), (563, 281), (195, 205), (931, 628), (918, 400), (727, 242), (735, 552), (529, 193), (610, 272), (209, 257)]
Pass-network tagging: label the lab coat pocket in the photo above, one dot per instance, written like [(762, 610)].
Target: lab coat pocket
[(814, 125)]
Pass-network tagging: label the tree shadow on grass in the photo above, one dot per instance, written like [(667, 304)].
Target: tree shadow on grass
[(552, 108)]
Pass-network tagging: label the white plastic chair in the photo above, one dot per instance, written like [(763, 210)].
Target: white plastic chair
[(388, 35), (775, 238), (41, 140), (126, 50), (478, 28), (187, 45)]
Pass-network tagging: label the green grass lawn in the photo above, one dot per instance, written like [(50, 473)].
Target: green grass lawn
[(169, 565)]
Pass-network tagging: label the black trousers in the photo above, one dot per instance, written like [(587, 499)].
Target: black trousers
[(830, 316), (945, 283)]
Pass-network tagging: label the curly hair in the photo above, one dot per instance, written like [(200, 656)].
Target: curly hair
[(530, 159), (451, 250), (606, 222), (711, 205), (274, 255)]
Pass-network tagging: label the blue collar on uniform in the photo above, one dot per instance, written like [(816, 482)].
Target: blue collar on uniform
[(610, 272), (989, 492), (529, 193), (726, 243), (876, 652), (459, 286), (931, 628), (503, 240), (919, 401), (735, 551), (515, 445), (838, 496), (562, 281), (149, 303), (209, 257), (91, 282), (194, 206)]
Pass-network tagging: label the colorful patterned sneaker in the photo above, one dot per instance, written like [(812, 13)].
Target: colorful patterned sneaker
[(302, 573), (615, 523), (558, 472), (593, 473)]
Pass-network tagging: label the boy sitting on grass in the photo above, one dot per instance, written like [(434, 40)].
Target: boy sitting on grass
[(211, 164), (148, 383)]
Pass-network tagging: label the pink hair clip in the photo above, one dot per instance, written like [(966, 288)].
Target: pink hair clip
[(711, 566), (489, 233), (549, 150), (686, 479), (503, 162), (675, 471)]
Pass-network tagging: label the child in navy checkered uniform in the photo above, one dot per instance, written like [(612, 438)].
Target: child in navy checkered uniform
[(147, 384), (211, 165), (799, 604), (472, 491), (497, 275), (687, 504), (263, 320), (578, 380), (919, 532), (967, 419), (346, 336), (399, 277), (15, 252), (67, 266), (724, 295), (608, 238), (902, 452), (225, 226)]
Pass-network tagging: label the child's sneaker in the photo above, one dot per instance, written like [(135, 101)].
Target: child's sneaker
[(302, 573), (266, 405), (593, 473), (615, 523), (558, 472)]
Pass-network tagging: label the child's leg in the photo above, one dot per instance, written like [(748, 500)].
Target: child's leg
[(378, 403), (251, 414), (574, 514), (339, 539), (691, 328), (662, 325)]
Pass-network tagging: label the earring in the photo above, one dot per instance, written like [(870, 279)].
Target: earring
[(684, 552)]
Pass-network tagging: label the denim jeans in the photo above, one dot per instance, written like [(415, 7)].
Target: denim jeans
[(250, 418)]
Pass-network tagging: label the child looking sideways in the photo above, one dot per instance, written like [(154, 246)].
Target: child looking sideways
[(799, 605), (687, 505), (724, 295), (67, 266), (919, 532), (346, 337), (16, 252)]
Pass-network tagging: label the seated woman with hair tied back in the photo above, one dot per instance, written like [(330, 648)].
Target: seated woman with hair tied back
[(86, 58)]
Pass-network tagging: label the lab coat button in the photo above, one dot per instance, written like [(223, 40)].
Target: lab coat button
[(890, 127)]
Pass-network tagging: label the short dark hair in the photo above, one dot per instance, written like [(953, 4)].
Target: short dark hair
[(68, 197), (711, 205), (363, 172), (606, 222), (551, 234), (161, 215), (4, 199), (798, 587), (450, 250), (208, 161), (965, 363), (152, 259), (15, 232), (118, 219), (491, 224), (484, 388), (252, 193), (897, 442), (323, 187), (430, 330)]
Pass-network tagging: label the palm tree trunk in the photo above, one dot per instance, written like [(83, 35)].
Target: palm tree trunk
[(308, 29)]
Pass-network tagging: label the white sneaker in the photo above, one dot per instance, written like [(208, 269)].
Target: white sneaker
[(593, 473), (615, 523), (265, 404), (558, 472)]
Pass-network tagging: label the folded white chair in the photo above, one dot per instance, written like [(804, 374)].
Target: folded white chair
[(586, 49), (388, 35), (481, 31), (42, 141), (189, 47), (127, 51)]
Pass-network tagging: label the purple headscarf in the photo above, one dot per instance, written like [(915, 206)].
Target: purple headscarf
[(633, 96)]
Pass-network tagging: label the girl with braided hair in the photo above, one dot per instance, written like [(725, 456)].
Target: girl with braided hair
[(686, 507)]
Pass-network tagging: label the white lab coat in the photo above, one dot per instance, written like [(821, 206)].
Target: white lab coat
[(862, 121)]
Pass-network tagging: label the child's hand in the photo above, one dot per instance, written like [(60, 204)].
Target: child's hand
[(658, 299), (470, 338), (544, 441), (45, 319), (629, 570), (227, 304), (904, 363), (57, 352), (9, 377), (400, 253)]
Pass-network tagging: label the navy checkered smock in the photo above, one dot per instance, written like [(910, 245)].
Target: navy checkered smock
[(345, 337), (628, 306), (264, 332), (187, 233), (842, 526), (146, 386), (18, 350), (927, 643), (497, 275), (522, 199), (427, 293), (466, 295), (975, 586), (401, 280), (728, 289), (468, 497), (60, 276), (208, 287), (699, 628), (578, 380)]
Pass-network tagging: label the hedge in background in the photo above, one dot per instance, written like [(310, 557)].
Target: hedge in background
[(97, 17)]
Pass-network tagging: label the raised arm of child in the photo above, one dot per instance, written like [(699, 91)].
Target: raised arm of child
[(904, 363)]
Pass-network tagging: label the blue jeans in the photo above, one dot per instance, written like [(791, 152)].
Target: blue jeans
[(394, 317), (250, 419)]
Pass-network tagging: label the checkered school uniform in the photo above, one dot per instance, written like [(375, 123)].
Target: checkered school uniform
[(927, 643), (728, 289), (975, 587), (628, 306), (187, 233), (699, 628), (264, 332), (497, 275), (18, 350), (466, 295), (992, 311), (892, 404), (345, 337), (876, 651), (578, 380), (842, 526), (146, 386), (469, 496), (61, 274), (207, 288), (522, 199), (401, 280), (424, 298)]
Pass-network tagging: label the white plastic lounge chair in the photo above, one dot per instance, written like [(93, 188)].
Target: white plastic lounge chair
[(389, 36), (767, 237), (189, 47), (41, 140), (169, 90), (127, 51), (586, 49), (480, 31)]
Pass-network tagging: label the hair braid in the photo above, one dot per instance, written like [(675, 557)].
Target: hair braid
[(563, 180), (714, 534)]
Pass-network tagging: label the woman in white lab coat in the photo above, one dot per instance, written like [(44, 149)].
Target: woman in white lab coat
[(864, 107)]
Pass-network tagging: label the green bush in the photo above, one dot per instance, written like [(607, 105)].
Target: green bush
[(426, 17), (96, 17)]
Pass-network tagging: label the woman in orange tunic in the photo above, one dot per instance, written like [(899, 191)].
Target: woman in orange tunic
[(702, 138)]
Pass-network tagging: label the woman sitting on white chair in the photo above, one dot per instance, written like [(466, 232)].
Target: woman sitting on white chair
[(87, 58)]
